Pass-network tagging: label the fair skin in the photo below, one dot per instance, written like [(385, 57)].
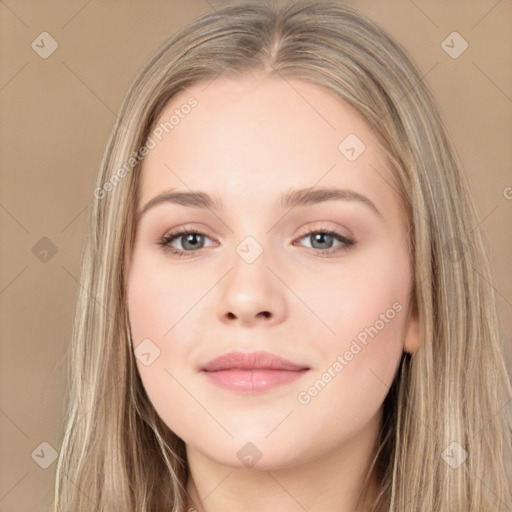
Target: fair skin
[(249, 142)]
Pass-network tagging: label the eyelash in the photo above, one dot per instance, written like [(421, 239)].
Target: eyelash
[(166, 241)]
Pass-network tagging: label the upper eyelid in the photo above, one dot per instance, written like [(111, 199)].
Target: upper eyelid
[(202, 231)]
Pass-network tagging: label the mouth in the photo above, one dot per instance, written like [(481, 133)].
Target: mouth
[(252, 372)]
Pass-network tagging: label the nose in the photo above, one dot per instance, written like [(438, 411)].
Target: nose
[(251, 294)]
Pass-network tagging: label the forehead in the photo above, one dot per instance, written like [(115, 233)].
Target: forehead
[(258, 137)]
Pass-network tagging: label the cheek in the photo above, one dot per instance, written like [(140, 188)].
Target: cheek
[(159, 302), (358, 363), (364, 297), (159, 297), (162, 304), (363, 307)]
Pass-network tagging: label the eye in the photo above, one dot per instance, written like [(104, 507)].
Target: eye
[(192, 239), (323, 238)]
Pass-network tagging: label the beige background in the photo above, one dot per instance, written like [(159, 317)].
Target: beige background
[(57, 114)]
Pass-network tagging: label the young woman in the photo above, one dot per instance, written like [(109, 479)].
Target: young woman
[(284, 304)]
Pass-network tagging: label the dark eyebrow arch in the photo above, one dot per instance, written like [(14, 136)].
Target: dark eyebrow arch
[(291, 199)]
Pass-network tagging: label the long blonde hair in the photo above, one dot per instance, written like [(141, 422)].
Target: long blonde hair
[(118, 455)]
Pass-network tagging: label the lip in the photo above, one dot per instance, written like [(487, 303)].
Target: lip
[(257, 360), (252, 371)]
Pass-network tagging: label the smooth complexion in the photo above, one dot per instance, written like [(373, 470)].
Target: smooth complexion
[(304, 298)]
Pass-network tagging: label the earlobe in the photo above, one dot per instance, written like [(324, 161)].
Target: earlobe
[(412, 341)]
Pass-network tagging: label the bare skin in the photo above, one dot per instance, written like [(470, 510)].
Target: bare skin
[(303, 298)]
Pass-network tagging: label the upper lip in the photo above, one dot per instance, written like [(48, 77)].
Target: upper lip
[(250, 361)]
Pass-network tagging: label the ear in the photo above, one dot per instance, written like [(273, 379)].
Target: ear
[(412, 340)]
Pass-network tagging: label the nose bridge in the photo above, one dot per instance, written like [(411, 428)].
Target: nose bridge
[(251, 249), (251, 240), (250, 290), (249, 261)]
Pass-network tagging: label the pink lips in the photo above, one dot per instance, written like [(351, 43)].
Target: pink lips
[(252, 372)]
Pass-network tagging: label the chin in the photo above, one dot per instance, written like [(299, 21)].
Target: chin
[(259, 454)]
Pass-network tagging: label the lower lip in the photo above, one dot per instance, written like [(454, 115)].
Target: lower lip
[(253, 380)]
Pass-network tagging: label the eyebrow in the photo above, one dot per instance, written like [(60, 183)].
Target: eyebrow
[(291, 199)]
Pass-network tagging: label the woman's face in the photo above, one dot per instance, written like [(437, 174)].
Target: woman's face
[(259, 274)]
